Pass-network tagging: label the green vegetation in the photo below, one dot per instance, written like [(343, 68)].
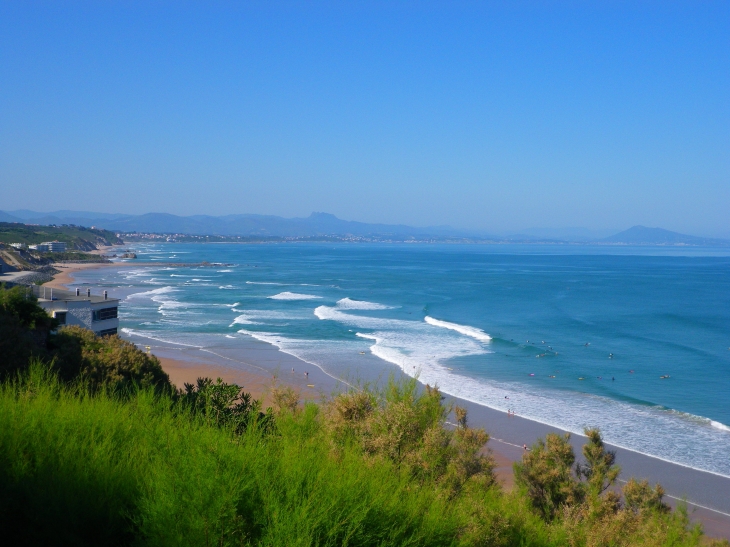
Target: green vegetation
[(72, 256), (105, 452), (76, 237), (27, 333)]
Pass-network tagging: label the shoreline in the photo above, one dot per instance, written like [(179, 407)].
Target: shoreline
[(261, 364), (507, 434)]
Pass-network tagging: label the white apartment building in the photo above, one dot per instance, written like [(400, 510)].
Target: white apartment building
[(96, 313), (50, 246)]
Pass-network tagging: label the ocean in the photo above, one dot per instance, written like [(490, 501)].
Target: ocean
[(633, 340)]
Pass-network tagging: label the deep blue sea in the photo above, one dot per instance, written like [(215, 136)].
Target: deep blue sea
[(634, 340)]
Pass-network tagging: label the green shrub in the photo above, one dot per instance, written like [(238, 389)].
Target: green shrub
[(24, 329), (88, 466), (105, 361)]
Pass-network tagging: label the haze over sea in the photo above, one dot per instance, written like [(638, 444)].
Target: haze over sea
[(570, 336)]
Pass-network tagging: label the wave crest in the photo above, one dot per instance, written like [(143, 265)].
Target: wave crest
[(286, 295), (466, 330), (349, 304)]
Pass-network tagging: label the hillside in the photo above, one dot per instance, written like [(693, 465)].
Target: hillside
[(641, 235), (245, 225), (76, 237)]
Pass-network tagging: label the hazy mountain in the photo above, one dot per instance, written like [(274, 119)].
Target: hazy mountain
[(325, 224), (6, 217), (26, 214), (641, 235), (317, 224)]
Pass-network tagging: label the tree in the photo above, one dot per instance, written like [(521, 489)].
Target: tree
[(599, 469), (545, 473)]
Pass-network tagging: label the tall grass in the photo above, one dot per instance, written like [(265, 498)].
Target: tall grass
[(101, 469)]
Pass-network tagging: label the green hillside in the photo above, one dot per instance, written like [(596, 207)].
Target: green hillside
[(77, 237)]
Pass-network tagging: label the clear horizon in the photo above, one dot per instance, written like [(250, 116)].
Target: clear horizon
[(483, 116)]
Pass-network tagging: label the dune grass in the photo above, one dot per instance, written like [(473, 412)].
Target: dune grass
[(78, 468)]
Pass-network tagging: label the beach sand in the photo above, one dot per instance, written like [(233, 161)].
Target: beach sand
[(260, 366), (61, 280)]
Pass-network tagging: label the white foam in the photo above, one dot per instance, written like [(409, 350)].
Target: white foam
[(349, 304), (227, 287), (244, 319), (229, 336), (153, 292), (286, 295), (132, 332), (674, 435), (466, 330), (261, 317), (224, 271), (263, 283)]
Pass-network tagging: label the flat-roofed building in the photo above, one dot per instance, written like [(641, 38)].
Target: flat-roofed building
[(55, 246), (40, 247), (96, 313)]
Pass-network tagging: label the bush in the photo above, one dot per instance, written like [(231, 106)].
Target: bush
[(24, 330), (105, 361), (406, 427)]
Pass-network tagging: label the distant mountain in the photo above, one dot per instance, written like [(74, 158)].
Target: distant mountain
[(6, 217), (641, 235), (26, 214), (316, 225)]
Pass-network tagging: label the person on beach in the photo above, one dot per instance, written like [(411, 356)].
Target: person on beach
[(525, 447)]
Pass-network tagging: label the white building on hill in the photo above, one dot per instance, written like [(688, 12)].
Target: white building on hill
[(96, 313)]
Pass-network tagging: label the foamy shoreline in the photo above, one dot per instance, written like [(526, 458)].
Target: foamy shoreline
[(509, 434)]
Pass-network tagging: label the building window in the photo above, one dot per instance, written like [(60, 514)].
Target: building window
[(105, 313), (61, 317), (107, 332)]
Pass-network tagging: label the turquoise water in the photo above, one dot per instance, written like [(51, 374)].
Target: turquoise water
[(568, 336)]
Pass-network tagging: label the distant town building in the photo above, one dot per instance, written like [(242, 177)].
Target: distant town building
[(56, 246), (96, 313), (50, 247), (21, 246)]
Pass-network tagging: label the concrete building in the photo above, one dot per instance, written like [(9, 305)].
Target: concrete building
[(96, 313), (55, 246), (50, 247), (19, 246)]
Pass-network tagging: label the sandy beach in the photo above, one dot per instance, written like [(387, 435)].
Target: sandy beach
[(261, 366)]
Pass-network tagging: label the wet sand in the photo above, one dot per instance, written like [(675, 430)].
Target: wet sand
[(260, 365)]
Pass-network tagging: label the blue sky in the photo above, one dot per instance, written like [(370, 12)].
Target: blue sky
[(490, 115)]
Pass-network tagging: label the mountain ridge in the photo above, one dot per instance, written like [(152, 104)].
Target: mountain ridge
[(321, 224)]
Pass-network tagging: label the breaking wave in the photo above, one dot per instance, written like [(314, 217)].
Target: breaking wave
[(466, 330)]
